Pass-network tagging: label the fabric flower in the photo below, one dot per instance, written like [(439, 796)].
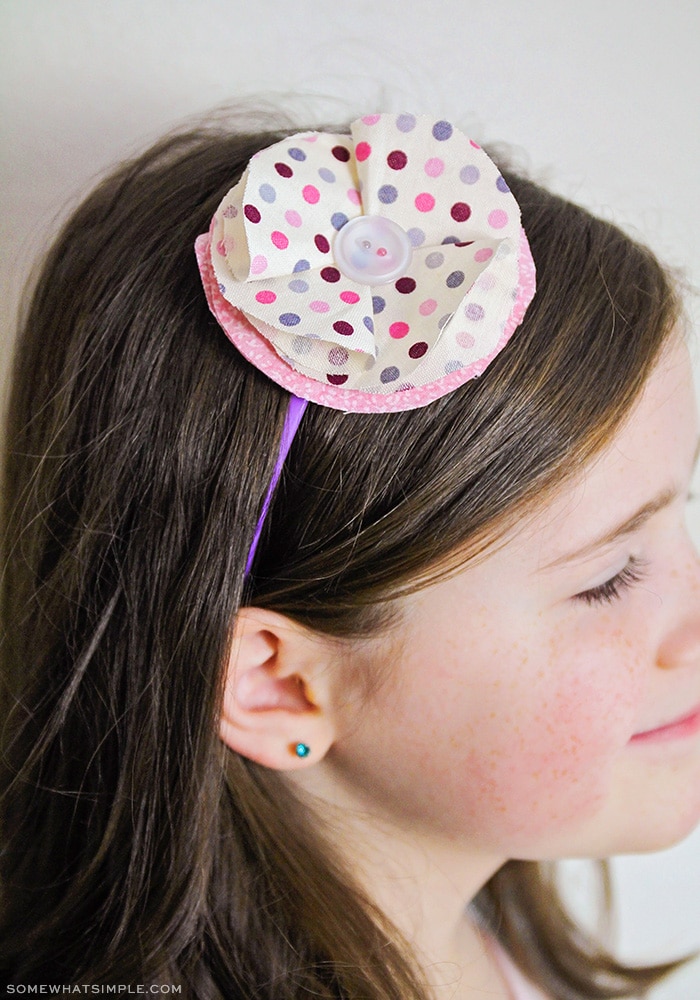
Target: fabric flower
[(375, 271)]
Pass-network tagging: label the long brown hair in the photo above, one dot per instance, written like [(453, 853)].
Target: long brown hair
[(134, 845)]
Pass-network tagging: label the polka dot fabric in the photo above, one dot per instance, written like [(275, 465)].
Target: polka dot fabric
[(279, 291)]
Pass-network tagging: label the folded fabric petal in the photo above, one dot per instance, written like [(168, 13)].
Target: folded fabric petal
[(375, 271)]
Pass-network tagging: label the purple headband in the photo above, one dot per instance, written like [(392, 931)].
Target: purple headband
[(368, 273)]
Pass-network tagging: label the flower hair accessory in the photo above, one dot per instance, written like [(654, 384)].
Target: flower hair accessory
[(371, 272)]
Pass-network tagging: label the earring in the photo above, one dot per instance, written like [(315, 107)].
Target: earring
[(302, 750)]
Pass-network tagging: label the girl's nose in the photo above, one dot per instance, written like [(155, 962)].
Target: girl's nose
[(681, 645)]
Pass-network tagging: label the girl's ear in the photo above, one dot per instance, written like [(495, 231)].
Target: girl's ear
[(277, 696)]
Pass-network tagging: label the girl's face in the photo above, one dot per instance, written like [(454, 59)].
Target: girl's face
[(546, 701)]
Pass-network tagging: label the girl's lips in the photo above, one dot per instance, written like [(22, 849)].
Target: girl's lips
[(687, 725)]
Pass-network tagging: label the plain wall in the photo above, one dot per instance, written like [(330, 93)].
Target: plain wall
[(598, 100)]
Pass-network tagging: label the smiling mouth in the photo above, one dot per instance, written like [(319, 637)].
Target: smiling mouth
[(687, 725)]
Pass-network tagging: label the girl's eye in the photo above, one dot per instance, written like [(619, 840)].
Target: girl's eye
[(609, 591)]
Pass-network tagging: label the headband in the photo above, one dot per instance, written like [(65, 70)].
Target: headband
[(369, 272)]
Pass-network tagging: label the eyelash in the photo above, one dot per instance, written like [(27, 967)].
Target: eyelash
[(612, 589)]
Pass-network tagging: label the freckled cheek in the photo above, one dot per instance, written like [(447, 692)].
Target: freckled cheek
[(551, 756)]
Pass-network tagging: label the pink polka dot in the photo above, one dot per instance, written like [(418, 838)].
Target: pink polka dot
[(318, 306), (311, 194), (265, 297), (398, 330), (350, 297), (310, 138), (425, 202), (279, 239), (293, 218), (434, 166), (486, 281), (498, 218), (465, 339), (371, 119), (258, 264), (224, 246), (427, 307), (474, 144), (484, 254), (362, 151), (354, 196)]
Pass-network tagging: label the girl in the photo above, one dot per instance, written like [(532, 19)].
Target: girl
[(301, 701)]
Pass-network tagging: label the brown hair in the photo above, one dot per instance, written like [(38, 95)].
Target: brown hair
[(142, 446)]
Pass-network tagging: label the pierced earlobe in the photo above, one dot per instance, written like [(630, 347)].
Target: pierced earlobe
[(302, 749)]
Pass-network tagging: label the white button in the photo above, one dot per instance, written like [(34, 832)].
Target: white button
[(372, 250)]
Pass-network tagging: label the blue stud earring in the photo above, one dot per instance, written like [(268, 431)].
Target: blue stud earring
[(302, 750)]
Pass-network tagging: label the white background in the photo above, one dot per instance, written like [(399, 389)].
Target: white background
[(598, 99)]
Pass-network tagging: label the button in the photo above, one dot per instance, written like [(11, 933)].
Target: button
[(372, 250)]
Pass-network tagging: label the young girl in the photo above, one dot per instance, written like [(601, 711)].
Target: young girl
[(303, 696)]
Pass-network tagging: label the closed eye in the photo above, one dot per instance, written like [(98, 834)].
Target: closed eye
[(612, 589)]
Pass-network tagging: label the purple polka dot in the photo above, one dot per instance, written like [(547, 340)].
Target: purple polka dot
[(469, 174), (417, 350), (322, 243), (338, 220), (338, 356), (435, 259), (267, 193), (369, 323), (450, 239), (387, 194), (341, 153), (302, 345), (296, 153), (298, 286), (331, 274), (389, 374), (337, 379), (301, 265), (378, 304), (442, 130), (405, 285), (343, 328), (406, 123), (416, 236), (290, 319), (251, 213), (453, 366), (397, 159), (460, 211), (326, 175), (230, 212), (502, 186), (284, 170), (455, 279), (474, 311)]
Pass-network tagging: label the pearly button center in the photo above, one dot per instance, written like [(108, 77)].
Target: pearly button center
[(372, 250)]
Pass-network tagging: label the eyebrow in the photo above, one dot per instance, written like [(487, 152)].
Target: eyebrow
[(626, 527)]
